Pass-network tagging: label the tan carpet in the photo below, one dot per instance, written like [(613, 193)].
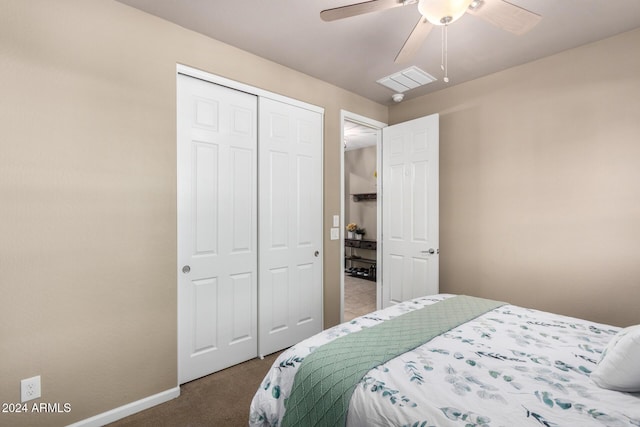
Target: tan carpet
[(221, 399)]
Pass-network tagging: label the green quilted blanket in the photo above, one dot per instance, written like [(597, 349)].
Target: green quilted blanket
[(327, 377)]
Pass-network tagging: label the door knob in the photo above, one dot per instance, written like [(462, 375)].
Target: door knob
[(316, 254), (430, 251), (186, 269)]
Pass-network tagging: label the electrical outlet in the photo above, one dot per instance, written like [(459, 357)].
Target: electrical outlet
[(30, 388)]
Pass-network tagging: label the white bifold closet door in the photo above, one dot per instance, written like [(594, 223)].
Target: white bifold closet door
[(217, 223), (249, 242), (290, 224)]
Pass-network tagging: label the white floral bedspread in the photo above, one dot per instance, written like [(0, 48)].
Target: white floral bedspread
[(509, 367)]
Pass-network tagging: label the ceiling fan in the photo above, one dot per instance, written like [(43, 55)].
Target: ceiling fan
[(500, 13)]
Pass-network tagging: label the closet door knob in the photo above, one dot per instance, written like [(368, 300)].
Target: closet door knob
[(186, 269), (316, 254)]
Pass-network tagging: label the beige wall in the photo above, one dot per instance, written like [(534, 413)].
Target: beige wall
[(88, 196), (540, 182)]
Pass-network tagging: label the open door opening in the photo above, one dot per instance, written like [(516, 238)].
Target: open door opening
[(406, 256), (360, 207)]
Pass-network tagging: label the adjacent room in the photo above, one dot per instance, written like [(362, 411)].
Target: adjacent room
[(361, 216), (148, 266)]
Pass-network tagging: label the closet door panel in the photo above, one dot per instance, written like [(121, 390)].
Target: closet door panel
[(243, 191), (217, 227), (290, 224), (275, 198)]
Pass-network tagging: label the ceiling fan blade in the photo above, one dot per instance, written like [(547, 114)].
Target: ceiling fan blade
[(507, 16), (359, 9), (415, 40)]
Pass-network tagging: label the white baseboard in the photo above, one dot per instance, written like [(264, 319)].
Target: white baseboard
[(128, 409)]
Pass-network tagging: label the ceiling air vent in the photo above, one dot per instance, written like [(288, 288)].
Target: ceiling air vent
[(405, 80)]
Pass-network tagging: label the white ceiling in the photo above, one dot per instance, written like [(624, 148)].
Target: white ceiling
[(354, 53), (358, 136)]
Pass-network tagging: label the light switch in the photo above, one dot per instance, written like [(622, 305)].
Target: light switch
[(336, 220), (335, 233)]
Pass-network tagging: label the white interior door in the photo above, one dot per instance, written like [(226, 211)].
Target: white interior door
[(410, 210), (217, 227), (290, 225)]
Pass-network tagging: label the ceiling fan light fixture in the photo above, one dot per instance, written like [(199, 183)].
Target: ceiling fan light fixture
[(443, 12)]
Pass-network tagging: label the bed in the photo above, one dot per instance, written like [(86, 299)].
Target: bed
[(510, 366)]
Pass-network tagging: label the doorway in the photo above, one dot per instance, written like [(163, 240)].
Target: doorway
[(360, 206), (407, 251)]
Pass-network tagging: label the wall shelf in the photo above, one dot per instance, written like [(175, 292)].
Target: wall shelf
[(359, 197)]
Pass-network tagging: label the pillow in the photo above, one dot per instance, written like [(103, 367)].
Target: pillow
[(619, 367)]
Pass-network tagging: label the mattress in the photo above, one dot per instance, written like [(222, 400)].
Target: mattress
[(511, 366)]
